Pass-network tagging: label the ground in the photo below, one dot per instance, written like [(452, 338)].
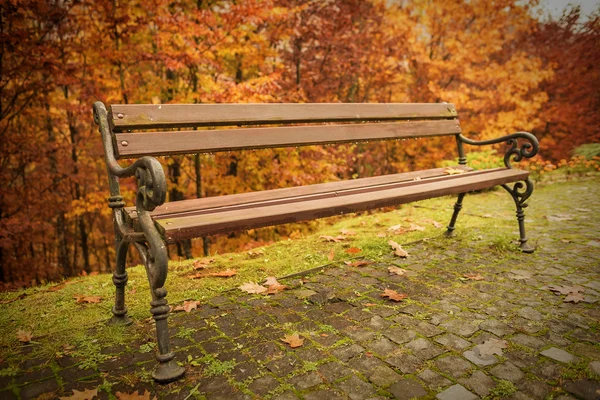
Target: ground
[(462, 292)]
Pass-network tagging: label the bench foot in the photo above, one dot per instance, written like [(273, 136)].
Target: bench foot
[(457, 208), (119, 320), (167, 372), (520, 192), (526, 248)]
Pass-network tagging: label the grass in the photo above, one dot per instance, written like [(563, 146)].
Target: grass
[(57, 322)]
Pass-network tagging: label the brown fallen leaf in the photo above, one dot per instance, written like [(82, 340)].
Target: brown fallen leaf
[(474, 277), (393, 295), (347, 232), (24, 336), (203, 263), (381, 235), (353, 250), (331, 254), (492, 346), (219, 274), (80, 298), (252, 288), (396, 271), (274, 289), (415, 227), (335, 239), (432, 222), (294, 340), (566, 289), (573, 297), (398, 250), (83, 395), (394, 228), (133, 396), (357, 263), (187, 306), (257, 253), (271, 280), (453, 171)]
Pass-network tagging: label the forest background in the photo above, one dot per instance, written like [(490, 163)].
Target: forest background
[(504, 66)]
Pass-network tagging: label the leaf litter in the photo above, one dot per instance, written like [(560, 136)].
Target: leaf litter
[(294, 340), (393, 295), (398, 250)]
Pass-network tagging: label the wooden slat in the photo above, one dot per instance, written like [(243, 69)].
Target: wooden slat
[(175, 229), (206, 141), (147, 116), (291, 194)]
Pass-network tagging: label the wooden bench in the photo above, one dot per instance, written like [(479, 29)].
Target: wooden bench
[(143, 131)]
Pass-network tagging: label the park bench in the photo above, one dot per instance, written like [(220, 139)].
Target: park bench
[(142, 131)]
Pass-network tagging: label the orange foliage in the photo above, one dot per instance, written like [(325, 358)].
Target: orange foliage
[(503, 69)]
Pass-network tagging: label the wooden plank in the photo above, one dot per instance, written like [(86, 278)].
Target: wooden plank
[(175, 229), (321, 190), (150, 116), (207, 141)]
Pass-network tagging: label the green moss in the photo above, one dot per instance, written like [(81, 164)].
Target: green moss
[(502, 389)]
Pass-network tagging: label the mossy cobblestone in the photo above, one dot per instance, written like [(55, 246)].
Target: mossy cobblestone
[(358, 345)]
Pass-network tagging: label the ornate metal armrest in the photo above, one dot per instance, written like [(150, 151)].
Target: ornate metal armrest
[(528, 148)]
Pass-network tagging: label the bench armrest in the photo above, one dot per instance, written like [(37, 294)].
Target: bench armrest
[(528, 148)]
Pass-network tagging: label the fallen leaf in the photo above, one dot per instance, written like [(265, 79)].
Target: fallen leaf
[(453, 171), (24, 336), (331, 254), (83, 395), (381, 235), (271, 280), (324, 335), (398, 250), (566, 241), (294, 340), (80, 298), (394, 228), (274, 289), (347, 232), (393, 295), (188, 306), (415, 227), (432, 222), (202, 263), (565, 289), (353, 250), (357, 263), (335, 239), (220, 274), (474, 277), (492, 346), (573, 297), (257, 253), (370, 305), (396, 271), (133, 396), (251, 287), (368, 354)]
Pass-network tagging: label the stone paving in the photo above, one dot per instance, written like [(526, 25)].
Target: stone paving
[(358, 345)]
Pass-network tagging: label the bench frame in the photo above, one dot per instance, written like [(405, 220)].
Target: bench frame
[(148, 241)]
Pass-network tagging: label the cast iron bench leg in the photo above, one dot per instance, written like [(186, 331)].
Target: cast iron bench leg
[(457, 208), (520, 192), (120, 281)]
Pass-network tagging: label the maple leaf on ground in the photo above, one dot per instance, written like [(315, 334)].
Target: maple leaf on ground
[(415, 227), (565, 289), (80, 298), (353, 250), (573, 297), (252, 288), (273, 286), (257, 253), (396, 271), (271, 280), (347, 232), (331, 254), (83, 395), (474, 277), (393, 295), (492, 346), (398, 250), (133, 396), (220, 274), (294, 340), (335, 239), (24, 336), (453, 171), (357, 263), (188, 306), (203, 263)]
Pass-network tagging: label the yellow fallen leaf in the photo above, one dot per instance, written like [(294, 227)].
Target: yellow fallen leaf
[(453, 171), (398, 250), (294, 340), (252, 288), (393, 295)]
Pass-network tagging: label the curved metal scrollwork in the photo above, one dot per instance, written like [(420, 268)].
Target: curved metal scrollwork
[(517, 151), (520, 191)]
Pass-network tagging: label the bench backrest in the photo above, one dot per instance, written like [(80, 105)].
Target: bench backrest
[(157, 129)]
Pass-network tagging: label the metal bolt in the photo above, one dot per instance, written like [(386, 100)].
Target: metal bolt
[(120, 116), (124, 143)]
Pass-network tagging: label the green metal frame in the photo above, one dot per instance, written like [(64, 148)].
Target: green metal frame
[(151, 193), (521, 145)]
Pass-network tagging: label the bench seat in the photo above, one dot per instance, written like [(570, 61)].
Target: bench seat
[(205, 216)]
